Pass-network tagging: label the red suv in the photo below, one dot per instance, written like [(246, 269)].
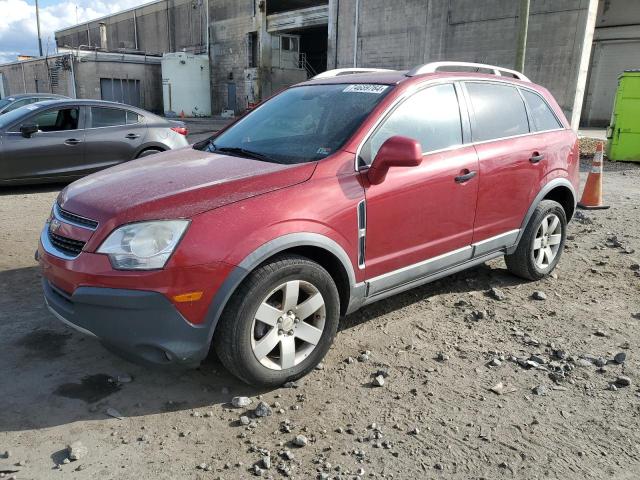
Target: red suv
[(333, 194)]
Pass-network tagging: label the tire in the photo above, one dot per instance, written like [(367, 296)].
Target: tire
[(150, 151), (239, 333), (525, 261)]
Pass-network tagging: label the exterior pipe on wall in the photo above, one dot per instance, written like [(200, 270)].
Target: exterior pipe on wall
[(355, 35), (73, 77)]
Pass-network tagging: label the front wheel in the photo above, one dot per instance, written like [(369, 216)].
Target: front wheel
[(280, 322), (542, 243)]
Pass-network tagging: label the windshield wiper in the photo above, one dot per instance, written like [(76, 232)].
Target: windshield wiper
[(244, 152)]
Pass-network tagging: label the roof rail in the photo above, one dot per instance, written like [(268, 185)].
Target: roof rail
[(435, 66), (349, 71)]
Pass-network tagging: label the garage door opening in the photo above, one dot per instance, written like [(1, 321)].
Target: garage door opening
[(313, 49)]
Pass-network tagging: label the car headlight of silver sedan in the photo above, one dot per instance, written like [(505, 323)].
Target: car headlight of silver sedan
[(144, 245)]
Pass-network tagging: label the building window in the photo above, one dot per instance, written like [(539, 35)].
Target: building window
[(252, 49)]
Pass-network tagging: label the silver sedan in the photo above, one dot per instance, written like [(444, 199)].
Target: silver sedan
[(61, 140)]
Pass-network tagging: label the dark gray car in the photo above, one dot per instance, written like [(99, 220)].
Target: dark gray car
[(16, 101), (62, 140)]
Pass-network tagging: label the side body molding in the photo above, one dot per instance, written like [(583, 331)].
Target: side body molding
[(277, 245), (556, 182)]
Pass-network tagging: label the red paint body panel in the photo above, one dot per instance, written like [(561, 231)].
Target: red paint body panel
[(421, 212), (326, 204), (94, 270), (177, 184), (509, 182)]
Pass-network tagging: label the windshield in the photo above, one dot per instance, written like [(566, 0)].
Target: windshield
[(302, 124), (4, 103)]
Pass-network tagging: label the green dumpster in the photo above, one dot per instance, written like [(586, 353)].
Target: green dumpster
[(624, 132)]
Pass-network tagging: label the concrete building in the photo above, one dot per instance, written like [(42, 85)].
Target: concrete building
[(576, 48), (132, 79)]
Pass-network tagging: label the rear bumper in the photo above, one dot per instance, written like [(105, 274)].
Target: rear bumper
[(139, 325)]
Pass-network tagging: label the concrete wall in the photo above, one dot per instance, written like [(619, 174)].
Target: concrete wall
[(406, 33), (47, 76), (166, 26), (88, 70), (231, 21)]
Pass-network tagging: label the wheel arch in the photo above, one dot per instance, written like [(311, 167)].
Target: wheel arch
[(319, 248), (560, 190), (150, 146)]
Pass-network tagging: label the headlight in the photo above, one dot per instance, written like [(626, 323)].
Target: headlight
[(143, 246)]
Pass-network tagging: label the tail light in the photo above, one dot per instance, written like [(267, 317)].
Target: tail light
[(181, 130)]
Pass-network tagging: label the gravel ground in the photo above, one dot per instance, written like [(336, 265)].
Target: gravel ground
[(479, 378)]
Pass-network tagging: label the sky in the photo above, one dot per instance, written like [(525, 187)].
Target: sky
[(18, 31)]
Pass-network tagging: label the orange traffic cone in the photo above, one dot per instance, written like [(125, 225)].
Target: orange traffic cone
[(592, 194)]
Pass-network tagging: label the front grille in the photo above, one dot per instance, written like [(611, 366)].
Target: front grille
[(66, 245), (77, 219)]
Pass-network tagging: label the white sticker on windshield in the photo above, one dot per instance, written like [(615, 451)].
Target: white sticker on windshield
[(366, 88), (31, 107)]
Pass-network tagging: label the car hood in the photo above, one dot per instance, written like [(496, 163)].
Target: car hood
[(175, 184)]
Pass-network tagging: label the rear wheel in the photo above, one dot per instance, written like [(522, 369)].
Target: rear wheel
[(280, 322), (542, 243)]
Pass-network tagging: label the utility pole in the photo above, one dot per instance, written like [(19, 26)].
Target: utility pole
[(523, 18), (38, 24)]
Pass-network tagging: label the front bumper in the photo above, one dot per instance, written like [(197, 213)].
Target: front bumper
[(137, 324)]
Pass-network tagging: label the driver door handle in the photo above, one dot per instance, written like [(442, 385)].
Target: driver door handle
[(72, 141), (466, 176), (537, 157)]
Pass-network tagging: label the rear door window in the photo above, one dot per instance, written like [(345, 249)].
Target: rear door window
[(431, 116), (499, 111), (541, 114), (107, 117)]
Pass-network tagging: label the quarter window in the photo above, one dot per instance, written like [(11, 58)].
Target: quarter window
[(499, 111), (133, 117), (107, 117), (57, 120), (541, 114), (431, 116)]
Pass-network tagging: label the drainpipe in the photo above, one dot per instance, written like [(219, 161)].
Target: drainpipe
[(207, 29), (73, 76), (24, 80), (168, 27), (135, 29), (355, 35)]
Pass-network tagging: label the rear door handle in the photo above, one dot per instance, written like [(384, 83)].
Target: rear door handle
[(466, 177), (72, 141), (132, 136), (536, 157)]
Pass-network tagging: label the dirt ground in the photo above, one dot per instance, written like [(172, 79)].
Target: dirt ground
[(562, 412)]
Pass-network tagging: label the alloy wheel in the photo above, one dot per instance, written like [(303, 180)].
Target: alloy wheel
[(547, 241), (288, 325)]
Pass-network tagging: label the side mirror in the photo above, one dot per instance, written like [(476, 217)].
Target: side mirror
[(396, 151), (28, 129)]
